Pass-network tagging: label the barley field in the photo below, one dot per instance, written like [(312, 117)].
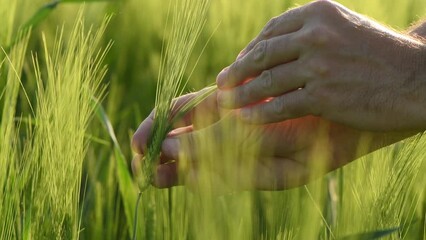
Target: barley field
[(78, 77)]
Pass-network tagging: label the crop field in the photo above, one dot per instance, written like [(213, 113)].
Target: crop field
[(78, 77)]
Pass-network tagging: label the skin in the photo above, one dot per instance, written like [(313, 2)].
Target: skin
[(323, 59), (285, 158), (318, 77)]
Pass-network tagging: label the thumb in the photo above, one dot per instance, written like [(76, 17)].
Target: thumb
[(171, 146)]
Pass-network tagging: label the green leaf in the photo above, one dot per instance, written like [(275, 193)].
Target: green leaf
[(40, 15), (126, 185), (370, 235)]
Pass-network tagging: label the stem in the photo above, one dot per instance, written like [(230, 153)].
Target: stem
[(135, 220)]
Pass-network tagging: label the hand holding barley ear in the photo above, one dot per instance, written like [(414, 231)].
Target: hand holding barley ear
[(318, 79), (286, 155)]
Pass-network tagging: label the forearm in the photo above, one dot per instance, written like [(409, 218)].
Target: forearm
[(419, 32)]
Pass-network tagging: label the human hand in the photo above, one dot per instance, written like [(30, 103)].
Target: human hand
[(187, 123), (323, 59), (287, 152)]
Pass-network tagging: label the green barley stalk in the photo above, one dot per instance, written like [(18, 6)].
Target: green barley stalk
[(188, 20), (10, 168), (371, 235), (72, 76)]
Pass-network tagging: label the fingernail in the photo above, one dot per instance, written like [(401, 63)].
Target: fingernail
[(221, 77), (170, 147), (246, 114)]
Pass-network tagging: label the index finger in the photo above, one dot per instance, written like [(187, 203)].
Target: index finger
[(288, 22), (143, 133)]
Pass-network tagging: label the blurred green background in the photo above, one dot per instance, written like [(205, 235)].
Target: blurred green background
[(384, 190)]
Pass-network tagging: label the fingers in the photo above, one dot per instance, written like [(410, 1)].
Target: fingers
[(140, 138), (206, 113), (142, 134), (207, 108), (291, 105), (293, 20), (172, 146), (179, 103), (288, 22), (165, 175), (265, 55), (179, 131), (271, 83), (270, 174)]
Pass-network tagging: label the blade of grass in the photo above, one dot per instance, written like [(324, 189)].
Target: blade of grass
[(40, 15), (125, 181), (319, 211), (371, 235), (10, 173)]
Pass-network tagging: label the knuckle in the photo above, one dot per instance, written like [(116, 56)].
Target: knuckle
[(321, 35), (269, 28), (319, 68), (317, 36), (322, 6), (260, 53), (266, 80), (279, 107), (255, 90)]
